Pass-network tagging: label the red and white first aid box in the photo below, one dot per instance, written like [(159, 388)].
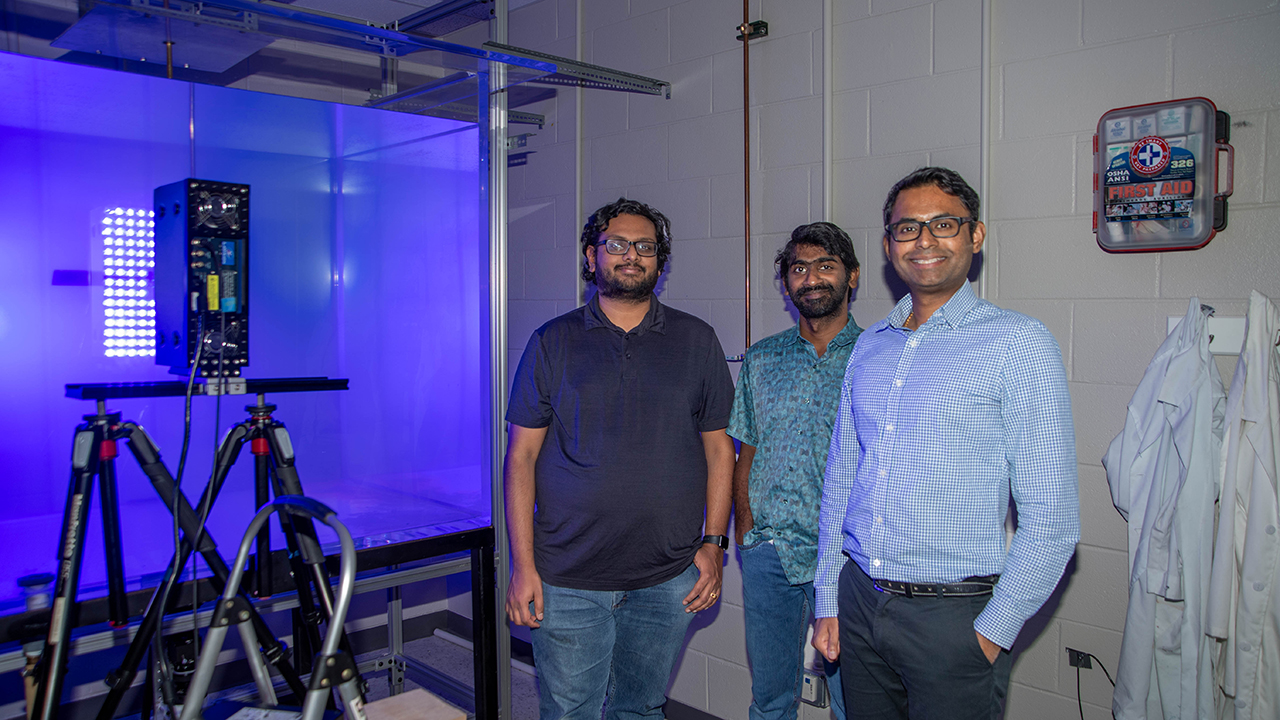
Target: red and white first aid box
[(1157, 172)]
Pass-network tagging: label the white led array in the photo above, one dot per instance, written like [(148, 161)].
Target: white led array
[(128, 261)]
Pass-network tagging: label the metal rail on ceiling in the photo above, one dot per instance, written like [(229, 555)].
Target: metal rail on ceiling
[(576, 73)]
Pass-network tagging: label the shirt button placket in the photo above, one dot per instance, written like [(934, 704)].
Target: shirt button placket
[(890, 437)]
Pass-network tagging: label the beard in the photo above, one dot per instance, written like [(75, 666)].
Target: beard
[(624, 287), (812, 305)]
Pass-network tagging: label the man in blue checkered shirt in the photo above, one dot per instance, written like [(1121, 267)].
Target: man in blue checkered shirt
[(950, 407)]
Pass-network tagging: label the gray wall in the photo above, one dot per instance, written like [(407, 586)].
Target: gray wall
[(907, 80)]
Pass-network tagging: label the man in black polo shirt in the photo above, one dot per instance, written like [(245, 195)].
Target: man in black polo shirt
[(617, 438)]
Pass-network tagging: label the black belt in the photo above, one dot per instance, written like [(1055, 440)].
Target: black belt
[(969, 587)]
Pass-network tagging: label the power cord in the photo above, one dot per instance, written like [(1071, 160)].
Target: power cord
[(222, 385), (1079, 702), (165, 671)]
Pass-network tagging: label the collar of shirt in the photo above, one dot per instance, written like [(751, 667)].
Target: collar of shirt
[(847, 335), (952, 313), (654, 320)]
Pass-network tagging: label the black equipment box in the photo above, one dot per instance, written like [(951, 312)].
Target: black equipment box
[(202, 276)]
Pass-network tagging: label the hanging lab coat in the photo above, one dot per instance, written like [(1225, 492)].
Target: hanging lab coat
[(1244, 608), (1163, 472)]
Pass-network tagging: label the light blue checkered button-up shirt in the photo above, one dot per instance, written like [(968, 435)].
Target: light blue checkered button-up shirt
[(936, 429)]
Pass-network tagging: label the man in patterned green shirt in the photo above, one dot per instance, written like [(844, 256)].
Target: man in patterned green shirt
[(783, 411)]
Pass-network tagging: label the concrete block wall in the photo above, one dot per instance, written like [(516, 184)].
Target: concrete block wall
[(1109, 311), (907, 85)]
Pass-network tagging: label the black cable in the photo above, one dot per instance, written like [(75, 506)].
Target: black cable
[(1079, 702), (222, 385), (186, 432), (204, 515), (1104, 668), (162, 665)]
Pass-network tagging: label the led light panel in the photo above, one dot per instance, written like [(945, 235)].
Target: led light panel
[(128, 264)]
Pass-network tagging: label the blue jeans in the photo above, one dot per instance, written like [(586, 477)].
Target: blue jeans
[(611, 649), (777, 619)]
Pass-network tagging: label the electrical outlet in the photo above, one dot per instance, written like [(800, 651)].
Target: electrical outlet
[(1079, 659), (814, 689)]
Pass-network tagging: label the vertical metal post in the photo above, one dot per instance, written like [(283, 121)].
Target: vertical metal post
[(484, 634), (497, 197), (579, 139), (984, 139), (390, 67), (745, 29), (828, 111), (395, 638)]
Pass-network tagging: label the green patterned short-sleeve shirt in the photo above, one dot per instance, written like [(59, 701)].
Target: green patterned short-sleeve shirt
[(785, 406)]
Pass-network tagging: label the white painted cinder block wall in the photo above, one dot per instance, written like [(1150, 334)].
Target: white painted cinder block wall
[(907, 80)]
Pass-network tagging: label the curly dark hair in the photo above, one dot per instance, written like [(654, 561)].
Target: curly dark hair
[(828, 236), (948, 181), (599, 220)]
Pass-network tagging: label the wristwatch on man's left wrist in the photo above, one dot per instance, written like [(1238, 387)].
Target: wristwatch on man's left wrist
[(719, 541)]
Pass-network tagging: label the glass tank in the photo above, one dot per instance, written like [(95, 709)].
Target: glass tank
[(367, 260)]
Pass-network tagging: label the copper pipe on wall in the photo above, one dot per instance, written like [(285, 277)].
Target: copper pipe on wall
[(745, 29)]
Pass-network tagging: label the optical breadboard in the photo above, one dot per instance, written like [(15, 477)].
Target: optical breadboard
[(202, 277)]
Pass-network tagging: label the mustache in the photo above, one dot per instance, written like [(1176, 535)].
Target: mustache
[(815, 288)]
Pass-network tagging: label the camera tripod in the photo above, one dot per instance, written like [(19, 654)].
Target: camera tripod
[(275, 474), (94, 453)]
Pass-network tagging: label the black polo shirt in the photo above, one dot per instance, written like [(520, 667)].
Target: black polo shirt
[(621, 481)]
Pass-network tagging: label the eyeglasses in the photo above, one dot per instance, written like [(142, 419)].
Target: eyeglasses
[(618, 246), (944, 227)]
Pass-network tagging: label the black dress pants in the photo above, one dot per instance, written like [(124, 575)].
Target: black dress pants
[(914, 657)]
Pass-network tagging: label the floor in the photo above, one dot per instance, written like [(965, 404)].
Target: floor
[(456, 662)]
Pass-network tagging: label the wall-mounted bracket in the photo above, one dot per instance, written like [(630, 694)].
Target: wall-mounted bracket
[(516, 117), (518, 141), (1226, 334), (757, 29)]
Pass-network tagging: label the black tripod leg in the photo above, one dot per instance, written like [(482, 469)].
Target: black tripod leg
[(287, 482), (145, 452), (148, 456), (299, 533), (307, 634), (262, 579), (84, 461), (286, 476), (113, 547)]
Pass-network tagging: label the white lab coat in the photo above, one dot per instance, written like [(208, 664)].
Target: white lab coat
[(1244, 608), (1163, 471)]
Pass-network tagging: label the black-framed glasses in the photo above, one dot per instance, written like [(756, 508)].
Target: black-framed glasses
[(947, 226), (618, 246)]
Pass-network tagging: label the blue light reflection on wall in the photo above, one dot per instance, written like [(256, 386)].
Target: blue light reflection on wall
[(365, 263)]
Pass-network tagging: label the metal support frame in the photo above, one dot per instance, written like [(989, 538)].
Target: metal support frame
[(498, 636), (580, 74), (479, 545), (435, 13)]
